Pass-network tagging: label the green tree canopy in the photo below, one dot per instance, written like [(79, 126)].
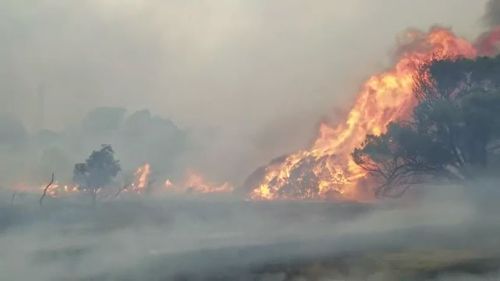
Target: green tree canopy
[(97, 171)]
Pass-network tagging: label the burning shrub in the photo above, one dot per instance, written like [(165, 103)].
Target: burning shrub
[(326, 170), (452, 132)]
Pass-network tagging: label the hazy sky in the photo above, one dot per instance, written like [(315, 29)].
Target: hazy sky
[(492, 16), (260, 73), (202, 62)]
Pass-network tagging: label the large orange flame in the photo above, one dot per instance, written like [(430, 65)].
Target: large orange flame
[(326, 170)]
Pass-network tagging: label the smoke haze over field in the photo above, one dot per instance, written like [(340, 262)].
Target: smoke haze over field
[(214, 240), (253, 76)]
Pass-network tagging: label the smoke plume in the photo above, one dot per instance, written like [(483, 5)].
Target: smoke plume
[(492, 16), (249, 79)]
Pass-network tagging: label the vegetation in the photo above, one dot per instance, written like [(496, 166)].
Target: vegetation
[(454, 130), (98, 170)]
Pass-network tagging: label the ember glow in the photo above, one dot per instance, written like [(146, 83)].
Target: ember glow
[(326, 170)]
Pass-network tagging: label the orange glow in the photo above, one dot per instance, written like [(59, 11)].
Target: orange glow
[(141, 178), (54, 191), (326, 170), (58, 190), (168, 184), (195, 183)]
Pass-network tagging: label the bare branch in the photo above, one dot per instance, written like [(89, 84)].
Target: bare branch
[(46, 189)]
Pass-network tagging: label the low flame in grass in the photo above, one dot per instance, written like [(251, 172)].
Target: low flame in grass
[(57, 190), (195, 183)]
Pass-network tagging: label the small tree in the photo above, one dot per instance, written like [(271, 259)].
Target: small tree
[(97, 172)]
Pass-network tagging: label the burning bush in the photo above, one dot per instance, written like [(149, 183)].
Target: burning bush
[(326, 170), (406, 92), (452, 133)]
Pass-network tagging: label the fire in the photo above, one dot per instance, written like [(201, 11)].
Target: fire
[(326, 170), (141, 178), (195, 183), (57, 190)]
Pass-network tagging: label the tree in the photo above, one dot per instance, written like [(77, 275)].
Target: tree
[(460, 104), (451, 131), (97, 172), (481, 118), (402, 157)]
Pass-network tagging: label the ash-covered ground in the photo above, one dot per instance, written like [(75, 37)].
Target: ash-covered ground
[(439, 233)]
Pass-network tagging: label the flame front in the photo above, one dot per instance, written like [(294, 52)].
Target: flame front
[(326, 170)]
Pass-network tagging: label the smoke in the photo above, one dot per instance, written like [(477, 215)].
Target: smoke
[(250, 79), (137, 137), (488, 43), (442, 232), (228, 85), (492, 16)]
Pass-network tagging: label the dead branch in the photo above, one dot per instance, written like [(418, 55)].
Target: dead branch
[(125, 186), (46, 189)]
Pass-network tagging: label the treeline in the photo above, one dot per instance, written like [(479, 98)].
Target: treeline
[(453, 134)]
